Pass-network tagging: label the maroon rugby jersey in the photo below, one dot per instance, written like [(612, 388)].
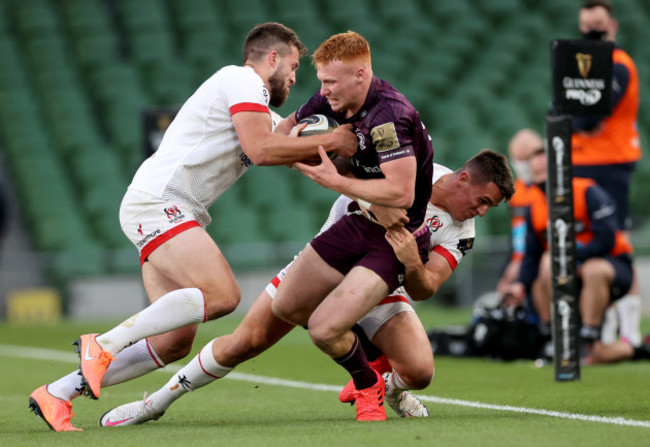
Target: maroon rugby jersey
[(388, 128)]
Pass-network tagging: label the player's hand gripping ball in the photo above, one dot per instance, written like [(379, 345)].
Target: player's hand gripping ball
[(318, 125)]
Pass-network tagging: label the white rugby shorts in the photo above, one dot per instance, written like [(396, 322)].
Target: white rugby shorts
[(149, 221), (373, 320)]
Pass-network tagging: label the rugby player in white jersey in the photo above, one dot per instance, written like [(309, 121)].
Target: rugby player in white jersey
[(218, 134), (392, 326)]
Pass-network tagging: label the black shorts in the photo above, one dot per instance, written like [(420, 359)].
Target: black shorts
[(623, 276), (354, 240), (615, 179)]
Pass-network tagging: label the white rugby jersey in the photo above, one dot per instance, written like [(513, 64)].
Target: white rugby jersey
[(200, 155), (449, 238)]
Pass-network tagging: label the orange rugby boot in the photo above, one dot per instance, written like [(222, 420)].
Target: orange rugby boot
[(93, 363), (348, 394), (54, 411), (370, 401)]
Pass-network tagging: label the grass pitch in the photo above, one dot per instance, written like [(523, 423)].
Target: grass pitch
[(474, 402)]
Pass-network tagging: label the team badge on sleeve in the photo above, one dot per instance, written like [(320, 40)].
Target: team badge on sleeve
[(385, 137), (465, 245)]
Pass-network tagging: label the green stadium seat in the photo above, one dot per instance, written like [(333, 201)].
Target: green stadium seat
[(124, 261), (86, 18), (136, 16), (150, 48), (87, 261), (254, 255), (290, 223), (244, 14), (36, 18), (267, 186), (312, 194), (239, 224), (207, 51), (47, 53), (170, 83), (3, 18), (405, 15), (12, 75), (497, 10), (471, 25), (446, 11), (96, 49), (356, 16), (195, 15)]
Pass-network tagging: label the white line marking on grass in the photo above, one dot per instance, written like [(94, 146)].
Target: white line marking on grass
[(62, 356)]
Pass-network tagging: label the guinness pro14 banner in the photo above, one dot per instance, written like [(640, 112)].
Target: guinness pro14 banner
[(561, 240), (582, 77)]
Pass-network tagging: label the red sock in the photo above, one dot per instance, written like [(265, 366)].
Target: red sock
[(381, 365)]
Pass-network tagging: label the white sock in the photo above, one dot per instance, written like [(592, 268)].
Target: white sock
[(135, 361), (67, 387), (175, 309), (396, 383), (200, 371)]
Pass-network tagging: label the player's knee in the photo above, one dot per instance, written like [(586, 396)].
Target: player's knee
[(285, 312), (322, 336), (177, 348), (222, 302), (417, 376)]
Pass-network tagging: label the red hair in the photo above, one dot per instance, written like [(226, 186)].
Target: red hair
[(344, 47)]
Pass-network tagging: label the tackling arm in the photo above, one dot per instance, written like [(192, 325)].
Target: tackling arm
[(265, 148), (421, 280)]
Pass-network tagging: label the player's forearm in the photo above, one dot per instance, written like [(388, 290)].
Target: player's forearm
[(382, 192), (275, 149), (420, 283)]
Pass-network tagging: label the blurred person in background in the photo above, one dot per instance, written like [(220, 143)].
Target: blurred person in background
[(222, 130), (603, 254), (521, 148), (607, 148)]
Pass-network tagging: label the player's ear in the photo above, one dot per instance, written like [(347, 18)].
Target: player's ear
[(273, 56), (359, 74), (464, 178)]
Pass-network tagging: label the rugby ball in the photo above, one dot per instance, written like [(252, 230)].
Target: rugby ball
[(317, 125)]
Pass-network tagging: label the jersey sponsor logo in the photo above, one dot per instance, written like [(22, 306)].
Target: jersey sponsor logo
[(385, 137), (265, 93), (140, 230), (362, 140), (367, 169), (174, 214), (434, 223), (147, 238), (245, 161), (465, 245)]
